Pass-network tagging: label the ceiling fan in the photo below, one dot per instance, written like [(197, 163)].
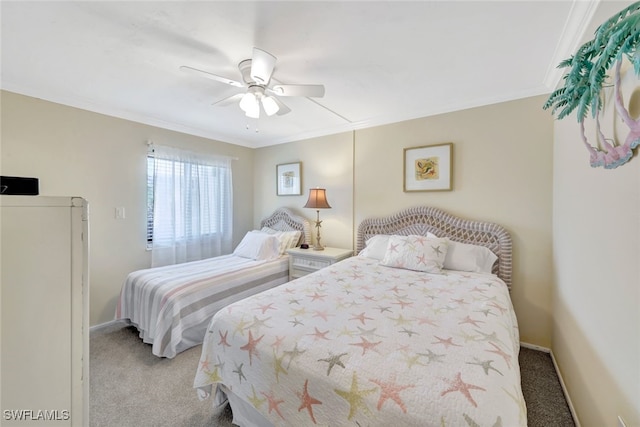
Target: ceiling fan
[(257, 77)]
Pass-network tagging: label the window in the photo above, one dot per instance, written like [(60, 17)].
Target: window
[(189, 204)]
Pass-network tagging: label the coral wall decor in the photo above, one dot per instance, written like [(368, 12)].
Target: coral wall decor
[(616, 41)]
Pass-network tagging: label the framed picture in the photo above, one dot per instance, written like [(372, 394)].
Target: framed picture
[(428, 168), (289, 179)]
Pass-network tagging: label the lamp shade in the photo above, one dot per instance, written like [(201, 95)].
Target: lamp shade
[(317, 199)]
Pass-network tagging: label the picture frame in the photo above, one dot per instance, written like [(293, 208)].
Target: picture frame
[(428, 168), (289, 179)]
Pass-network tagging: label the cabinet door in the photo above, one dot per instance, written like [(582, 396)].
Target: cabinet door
[(36, 313)]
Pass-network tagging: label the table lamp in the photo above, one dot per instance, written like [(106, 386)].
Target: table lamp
[(317, 200)]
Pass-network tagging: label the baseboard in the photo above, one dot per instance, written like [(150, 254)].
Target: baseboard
[(574, 415), (102, 326)]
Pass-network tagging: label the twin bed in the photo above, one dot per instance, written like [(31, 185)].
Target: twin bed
[(417, 329), (171, 306)]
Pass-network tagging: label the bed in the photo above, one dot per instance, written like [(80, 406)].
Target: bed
[(171, 306), (379, 338)]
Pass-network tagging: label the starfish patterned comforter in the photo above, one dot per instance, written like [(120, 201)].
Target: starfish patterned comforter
[(358, 343)]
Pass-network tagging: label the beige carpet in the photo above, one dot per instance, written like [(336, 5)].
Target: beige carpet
[(132, 388)]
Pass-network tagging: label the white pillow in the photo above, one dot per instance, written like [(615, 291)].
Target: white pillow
[(375, 247), (258, 246), (418, 253), (288, 239), (466, 257)]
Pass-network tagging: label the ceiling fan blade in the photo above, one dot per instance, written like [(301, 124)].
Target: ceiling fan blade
[(211, 76), (283, 109), (262, 65), (229, 100), (313, 91)]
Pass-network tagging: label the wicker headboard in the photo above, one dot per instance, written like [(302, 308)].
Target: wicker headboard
[(283, 219), (422, 219)]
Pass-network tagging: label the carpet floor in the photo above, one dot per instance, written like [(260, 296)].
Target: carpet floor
[(129, 387)]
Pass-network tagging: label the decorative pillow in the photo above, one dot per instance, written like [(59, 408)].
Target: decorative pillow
[(258, 246), (466, 257), (375, 247), (287, 239), (418, 253)]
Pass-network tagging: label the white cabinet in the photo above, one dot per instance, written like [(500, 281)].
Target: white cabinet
[(305, 261), (44, 365)]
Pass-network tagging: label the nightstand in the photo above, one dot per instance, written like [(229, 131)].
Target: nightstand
[(305, 261)]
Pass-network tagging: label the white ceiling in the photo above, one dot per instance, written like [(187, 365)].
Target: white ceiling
[(380, 62)]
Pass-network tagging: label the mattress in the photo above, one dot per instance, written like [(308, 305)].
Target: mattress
[(359, 343), (172, 305)]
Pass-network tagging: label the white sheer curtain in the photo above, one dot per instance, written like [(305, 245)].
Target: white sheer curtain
[(192, 206)]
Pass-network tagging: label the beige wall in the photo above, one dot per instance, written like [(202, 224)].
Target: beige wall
[(502, 173), (327, 162), (103, 159), (596, 250)]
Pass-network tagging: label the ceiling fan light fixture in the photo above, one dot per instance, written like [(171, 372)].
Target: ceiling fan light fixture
[(249, 104), (270, 106)]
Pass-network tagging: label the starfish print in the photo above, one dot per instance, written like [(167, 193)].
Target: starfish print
[(306, 401), (277, 365), (294, 301), (346, 331), (223, 339), (437, 250), (368, 332), (317, 335), (458, 385), (322, 314), (423, 320), (498, 351), (254, 399), (433, 357), (238, 371), (486, 312), (403, 304), (492, 337), (317, 296), (251, 346), (391, 390), (240, 327), (383, 309), (445, 342), (408, 332), (413, 360), (366, 345), (277, 343), (265, 308), (273, 403), (472, 422), (420, 239), (293, 354), (471, 321), (214, 377), (259, 323), (204, 364), (296, 322), (422, 259), (486, 365), (299, 312), (333, 360), (355, 397), (361, 317), (400, 320), (467, 337), (502, 309)]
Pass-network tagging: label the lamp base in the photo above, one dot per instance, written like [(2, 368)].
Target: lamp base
[(318, 248)]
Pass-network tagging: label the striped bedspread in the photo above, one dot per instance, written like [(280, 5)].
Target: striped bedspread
[(172, 305)]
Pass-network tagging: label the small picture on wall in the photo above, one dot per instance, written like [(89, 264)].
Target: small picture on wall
[(428, 168), (288, 179)]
